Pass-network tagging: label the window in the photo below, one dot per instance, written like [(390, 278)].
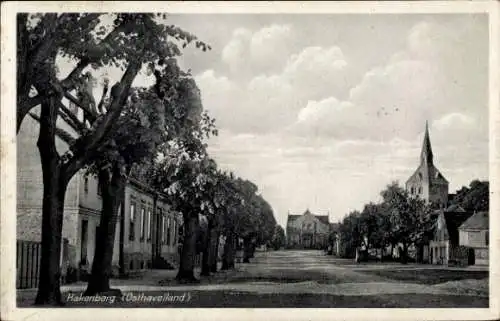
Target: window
[(487, 237), (413, 190), (131, 230), (143, 222), (148, 224), (168, 231), (174, 228), (74, 108), (99, 191), (420, 190), (163, 231), (86, 184)]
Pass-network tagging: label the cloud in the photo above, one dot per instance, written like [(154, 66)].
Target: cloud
[(454, 119), (460, 129), (235, 52), (317, 71), (395, 99), (267, 102), (269, 44), (313, 133), (262, 50)]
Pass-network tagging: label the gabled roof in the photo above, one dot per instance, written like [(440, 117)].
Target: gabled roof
[(322, 218), (293, 217), (426, 169), (453, 221), (334, 226), (455, 208), (478, 221)]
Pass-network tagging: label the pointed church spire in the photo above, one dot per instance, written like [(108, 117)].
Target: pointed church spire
[(426, 154)]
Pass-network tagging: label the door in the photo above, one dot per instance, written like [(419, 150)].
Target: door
[(307, 241), (471, 257)]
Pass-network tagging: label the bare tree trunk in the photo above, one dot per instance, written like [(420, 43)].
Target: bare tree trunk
[(112, 186), (252, 249), (247, 250), (215, 251), (205, 256), (54, 190), (404, 254), (207, 252), (186, 268), (228, 257)]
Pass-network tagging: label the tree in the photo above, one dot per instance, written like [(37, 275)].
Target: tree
[(187, 179), (278, 239), (473, 198), (134, 39), (40, 37), (149, 122), (350, 231), (267, 224), (368, 225), (409, 216)]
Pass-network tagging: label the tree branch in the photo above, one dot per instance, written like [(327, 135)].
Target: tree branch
[(62, 134), (104, 93), (24, 106), (86, 109), (69, 82), (75, 124), (89, 143), (41, 51)]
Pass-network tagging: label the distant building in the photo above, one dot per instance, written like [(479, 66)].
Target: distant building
[(307, 231), (427, 182), (474, 234)]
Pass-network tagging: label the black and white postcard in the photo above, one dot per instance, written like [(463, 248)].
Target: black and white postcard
[(283, 160)]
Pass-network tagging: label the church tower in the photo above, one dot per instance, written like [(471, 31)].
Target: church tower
[(427, 182)]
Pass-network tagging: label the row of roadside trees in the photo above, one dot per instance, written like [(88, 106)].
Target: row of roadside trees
[(159, 131), (401, 221)]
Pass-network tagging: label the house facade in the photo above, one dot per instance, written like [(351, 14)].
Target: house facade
[(147, 229), (307, 231), (444, 246), (474, 234)]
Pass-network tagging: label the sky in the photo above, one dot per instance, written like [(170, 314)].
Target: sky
[(322, 111)]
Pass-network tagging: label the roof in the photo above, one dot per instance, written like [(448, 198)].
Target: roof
[(431, 171), (293, 217), (455, 208), (453, 221), (426, 169), (478, 221), (426, 153), (322, 218), (334, 226)]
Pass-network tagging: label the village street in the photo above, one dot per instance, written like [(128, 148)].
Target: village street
[(305, 279)]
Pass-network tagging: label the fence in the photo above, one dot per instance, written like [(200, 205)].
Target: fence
[(28, 255)]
